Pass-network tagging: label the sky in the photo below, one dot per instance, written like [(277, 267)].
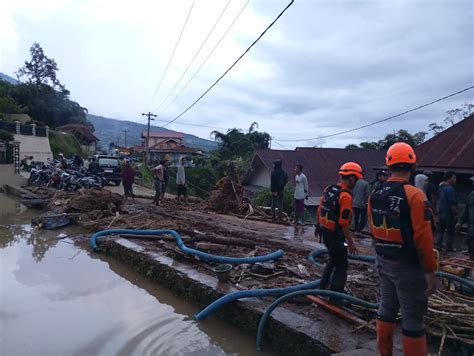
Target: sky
[(324, 67)]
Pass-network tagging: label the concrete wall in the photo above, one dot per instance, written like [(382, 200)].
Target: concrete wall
[(35, 146)]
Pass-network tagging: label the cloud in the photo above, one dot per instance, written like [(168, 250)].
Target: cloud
[(324, 67)]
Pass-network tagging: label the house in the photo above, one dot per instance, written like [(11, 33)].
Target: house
[(320, 165), (84, 134), (453, 150), (168, 145)]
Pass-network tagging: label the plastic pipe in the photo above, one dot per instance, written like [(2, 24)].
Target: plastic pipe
[(273, 292), (320, 292), (179, 241), (452, 277)]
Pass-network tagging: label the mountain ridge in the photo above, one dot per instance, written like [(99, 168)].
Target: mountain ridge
[(110, 130)]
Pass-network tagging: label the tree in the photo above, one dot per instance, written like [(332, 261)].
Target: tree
[(41, 69), (352, 147), (435, 128), (389, 139), (369, 145), (6, 136)]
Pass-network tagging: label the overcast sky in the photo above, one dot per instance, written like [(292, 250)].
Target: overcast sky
[(324, 67)]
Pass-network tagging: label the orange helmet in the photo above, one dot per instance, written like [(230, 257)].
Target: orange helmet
[(400, 152), (351, 168)]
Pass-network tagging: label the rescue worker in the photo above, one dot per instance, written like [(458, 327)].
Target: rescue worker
[(334, 220), (400, 220)]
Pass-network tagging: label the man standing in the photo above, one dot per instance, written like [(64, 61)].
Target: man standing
[(278, 181), (181, 182), (468, 218), (360, 197), (166, 178), (158, 174), (94, 167), (400, 220), (334, 219), (447, 211), (430, 189), (380, 178), (301, 193), (128, 178)]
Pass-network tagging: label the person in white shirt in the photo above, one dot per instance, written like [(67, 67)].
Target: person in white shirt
[(181, 181), (301, 193)]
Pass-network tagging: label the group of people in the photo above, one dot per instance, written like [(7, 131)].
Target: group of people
[(161, 178), (278, 182), (402, 222)]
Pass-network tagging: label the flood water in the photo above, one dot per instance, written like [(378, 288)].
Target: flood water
[(57, 298)]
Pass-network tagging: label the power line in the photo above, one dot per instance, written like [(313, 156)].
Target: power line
[(195, 56), (379, 121), (232, 66), (198, 125), (172, 55), (208, 56)]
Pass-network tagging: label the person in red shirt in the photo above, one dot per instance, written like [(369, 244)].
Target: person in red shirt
[(334, 219), (128, 178), (401, 222)]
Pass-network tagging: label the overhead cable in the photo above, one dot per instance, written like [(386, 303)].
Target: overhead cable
[(172, 54), (378, 121), (195, 56), (232, 66), (208, 56)]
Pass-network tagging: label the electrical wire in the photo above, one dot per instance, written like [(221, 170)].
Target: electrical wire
[(172, 55), (378, 121), (208, 56), (232, 66), (195, 56)]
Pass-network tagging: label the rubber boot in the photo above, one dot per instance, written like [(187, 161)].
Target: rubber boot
[(385, 337), (415, 346)]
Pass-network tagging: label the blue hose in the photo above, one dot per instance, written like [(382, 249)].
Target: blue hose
[(320, 292), (273, 292), (452, 277), (179, 241)]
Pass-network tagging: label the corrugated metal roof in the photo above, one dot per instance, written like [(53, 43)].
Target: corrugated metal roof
[(163, 134), (321, 165), (453, 148)]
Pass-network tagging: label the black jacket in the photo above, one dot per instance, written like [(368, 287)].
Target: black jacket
[(279, 178)]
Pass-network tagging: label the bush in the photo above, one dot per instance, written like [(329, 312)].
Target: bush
[(204, 178), (264, 198), (64, 143), (6, 136)]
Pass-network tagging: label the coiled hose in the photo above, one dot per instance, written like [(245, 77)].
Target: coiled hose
[(320, 292), (371, 259), (179, 241), (256, 293)]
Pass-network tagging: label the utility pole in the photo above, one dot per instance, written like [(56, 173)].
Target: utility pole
[(150, 116), (125, 133)]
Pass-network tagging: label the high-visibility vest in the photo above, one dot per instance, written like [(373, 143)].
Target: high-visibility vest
[(329, 209), (391, 223)]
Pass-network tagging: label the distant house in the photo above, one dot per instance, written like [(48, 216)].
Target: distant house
[(453, 150), (168, 145), (84, 134), (320, 165)]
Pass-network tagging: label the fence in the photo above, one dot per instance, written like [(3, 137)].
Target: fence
[(20, 129)]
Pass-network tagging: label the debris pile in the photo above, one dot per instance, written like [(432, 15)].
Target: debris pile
[(227, 196)]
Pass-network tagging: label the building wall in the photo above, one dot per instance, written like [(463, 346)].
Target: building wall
[(35, 146), (157, 140)]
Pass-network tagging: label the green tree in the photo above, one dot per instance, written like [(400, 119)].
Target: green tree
[(40, 69), (352, 147), (6, 136)]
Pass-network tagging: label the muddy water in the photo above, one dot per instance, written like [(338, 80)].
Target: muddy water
[(56, 298)]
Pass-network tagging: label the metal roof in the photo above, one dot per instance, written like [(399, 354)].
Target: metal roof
[(163, 134), (320, 165), (453, 148)]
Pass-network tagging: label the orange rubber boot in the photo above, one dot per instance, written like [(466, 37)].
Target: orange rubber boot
[(415, 346), (385, 337)]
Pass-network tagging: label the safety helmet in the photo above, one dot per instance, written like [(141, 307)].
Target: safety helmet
[(400, 152), (351, 168)]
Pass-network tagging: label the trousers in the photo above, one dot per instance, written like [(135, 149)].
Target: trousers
[(335, 271), (402, 286)]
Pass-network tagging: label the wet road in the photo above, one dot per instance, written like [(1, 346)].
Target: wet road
[(56, 298)]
